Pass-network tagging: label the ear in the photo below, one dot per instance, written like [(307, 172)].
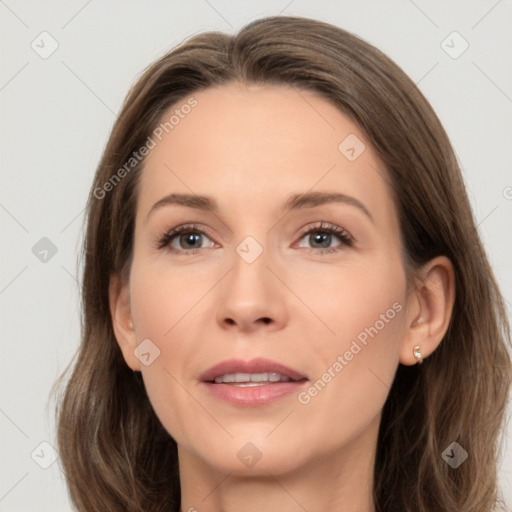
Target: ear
[(429, 309), (120, 311)]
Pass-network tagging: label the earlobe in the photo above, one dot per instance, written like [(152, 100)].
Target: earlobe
[(429, 310), (122, 323)]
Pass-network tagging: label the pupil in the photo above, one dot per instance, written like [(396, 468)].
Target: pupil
[(322, 238), (190, 238)]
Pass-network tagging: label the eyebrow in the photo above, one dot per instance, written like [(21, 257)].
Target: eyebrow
[(294, 202)]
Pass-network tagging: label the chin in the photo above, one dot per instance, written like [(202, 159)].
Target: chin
[(252, 455)]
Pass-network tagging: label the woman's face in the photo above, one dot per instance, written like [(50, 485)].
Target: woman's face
[(290, 274)]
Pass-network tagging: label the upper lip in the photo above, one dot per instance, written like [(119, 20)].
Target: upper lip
[(259, 365)]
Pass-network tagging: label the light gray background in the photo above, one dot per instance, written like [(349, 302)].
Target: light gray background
[(57, 113)]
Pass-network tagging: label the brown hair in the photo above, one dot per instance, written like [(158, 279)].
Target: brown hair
[(116, 454)]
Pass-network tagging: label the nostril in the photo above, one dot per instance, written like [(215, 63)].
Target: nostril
[(265, 320)]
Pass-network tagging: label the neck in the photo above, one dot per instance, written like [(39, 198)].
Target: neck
[(338, 480)]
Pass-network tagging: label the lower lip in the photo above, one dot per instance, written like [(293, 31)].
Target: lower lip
[(254, 395)]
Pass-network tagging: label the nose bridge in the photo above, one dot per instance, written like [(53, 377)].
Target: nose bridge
[(250, 275)]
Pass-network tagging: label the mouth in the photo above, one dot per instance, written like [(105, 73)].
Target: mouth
[(251, 379), (252, 383)]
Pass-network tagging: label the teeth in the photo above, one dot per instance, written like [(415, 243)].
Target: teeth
[(250, 379)]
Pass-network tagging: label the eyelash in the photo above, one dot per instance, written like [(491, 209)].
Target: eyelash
[(344, 236)]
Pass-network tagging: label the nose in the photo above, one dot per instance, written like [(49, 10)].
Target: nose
[(252, 298)]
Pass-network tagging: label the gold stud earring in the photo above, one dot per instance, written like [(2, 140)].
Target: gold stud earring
[(417, 354)]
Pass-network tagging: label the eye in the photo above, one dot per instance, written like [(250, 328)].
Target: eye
[(321, 237), (188, 239)]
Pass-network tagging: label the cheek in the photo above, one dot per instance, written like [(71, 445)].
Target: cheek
[(363, 300), (162, 296), (164, 304), (358, 360)]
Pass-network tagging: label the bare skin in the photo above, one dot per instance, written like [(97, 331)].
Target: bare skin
[(200, 302)]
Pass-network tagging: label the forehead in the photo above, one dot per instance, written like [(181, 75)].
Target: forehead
[(251, 143)]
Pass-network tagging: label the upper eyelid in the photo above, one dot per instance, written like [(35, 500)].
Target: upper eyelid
[(319, 225), (326, 226)]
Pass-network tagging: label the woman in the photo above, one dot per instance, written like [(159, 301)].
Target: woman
[(332, 338)]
